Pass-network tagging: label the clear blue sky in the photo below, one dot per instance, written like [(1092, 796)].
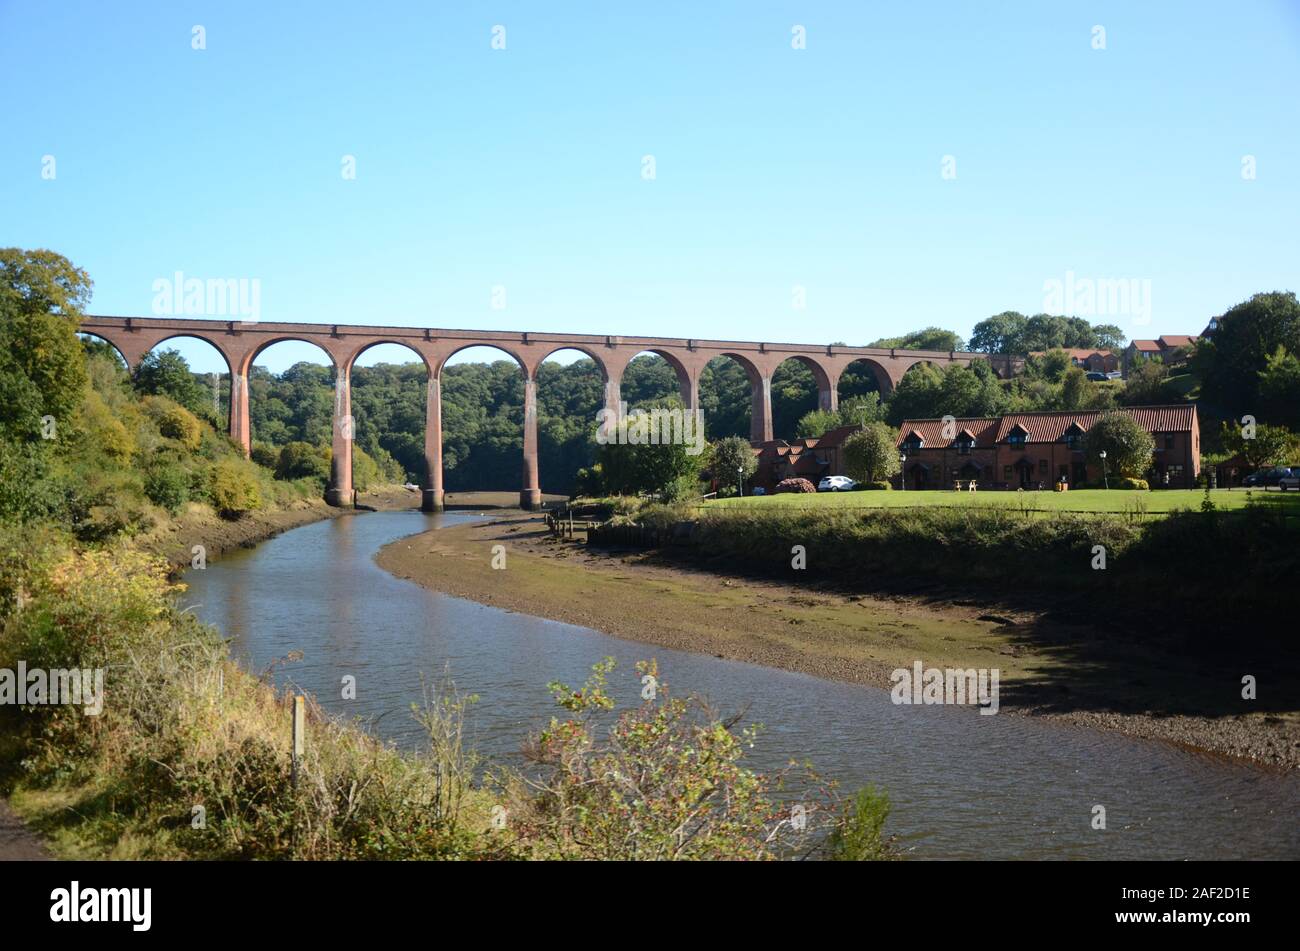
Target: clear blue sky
[(775, 167)]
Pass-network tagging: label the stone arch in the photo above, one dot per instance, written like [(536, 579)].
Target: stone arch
[(586, 351), (821, 397), (338, 490), (486, 345), (759, 393), (530, 493), (429, 455), (102, 339), (255, 351), (590, 395), (876, 373), (221, 392), (687, 382), (351, 360)]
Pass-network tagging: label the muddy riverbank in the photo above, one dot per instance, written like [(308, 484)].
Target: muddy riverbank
[(1048, 669)]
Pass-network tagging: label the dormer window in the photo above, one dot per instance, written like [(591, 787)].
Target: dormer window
[(1016, 438), (913, 442), (964, 442), (1073, 437)]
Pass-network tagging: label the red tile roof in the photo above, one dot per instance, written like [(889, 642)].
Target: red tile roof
[(931, 431), (1144, 345), (1174, 341), (1045, 427)]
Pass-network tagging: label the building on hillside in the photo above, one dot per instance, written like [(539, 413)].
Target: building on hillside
[(1172, 349), (1036, 450), (1092, 360), (811, 458)]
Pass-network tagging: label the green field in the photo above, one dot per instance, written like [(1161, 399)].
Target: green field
[(1155, 502)]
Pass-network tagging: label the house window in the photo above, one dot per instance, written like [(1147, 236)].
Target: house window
[(1175, 473), (912, 444), (963, 446), (1042, 466), (1017, 439), (1006, 472), (1170, 439)]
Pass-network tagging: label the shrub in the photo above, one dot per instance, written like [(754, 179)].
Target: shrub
[(233, 491), (265, 455), (795, 485), (174, 421), (167, 485), (1127, 483), (105, 433), (670, 782), (302, 460), (864, 486)]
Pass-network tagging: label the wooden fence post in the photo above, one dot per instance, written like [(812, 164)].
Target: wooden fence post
[(298, 710)]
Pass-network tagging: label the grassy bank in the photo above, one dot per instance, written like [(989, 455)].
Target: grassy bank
[(1191, 577), (1083, 501)]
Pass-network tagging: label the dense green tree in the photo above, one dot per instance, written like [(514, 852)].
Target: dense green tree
[(1229, 364), (1146, 384), (167, 373), (1267, 445), (872, 455), (1279, 388), (42, 365), (732, 459), (931, 338), (1127, 445), (1001, 333)]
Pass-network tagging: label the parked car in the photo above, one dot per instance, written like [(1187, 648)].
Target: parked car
[(1098, 377), (835, 484), (1291, 480), (759, 490), (1266, 477)]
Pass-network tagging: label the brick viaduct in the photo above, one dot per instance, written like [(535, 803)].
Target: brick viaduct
[(240, 343)]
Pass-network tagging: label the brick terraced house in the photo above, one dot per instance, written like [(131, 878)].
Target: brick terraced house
[(1029, 450), (811, 458)]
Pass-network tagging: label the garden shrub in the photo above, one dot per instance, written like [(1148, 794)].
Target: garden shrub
[(795, 485)]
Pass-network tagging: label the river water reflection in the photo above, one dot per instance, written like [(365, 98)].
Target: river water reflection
[(962, 785)]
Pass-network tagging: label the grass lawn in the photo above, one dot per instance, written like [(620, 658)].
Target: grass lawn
[(1076, 500)]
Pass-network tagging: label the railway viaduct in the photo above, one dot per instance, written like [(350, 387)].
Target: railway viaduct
[(240, 343)]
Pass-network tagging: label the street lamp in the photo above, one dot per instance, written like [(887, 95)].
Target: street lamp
[(902, 476), (740, 479), (1105, 480)]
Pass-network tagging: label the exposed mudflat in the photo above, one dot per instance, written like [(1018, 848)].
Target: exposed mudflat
[(1047, 669)]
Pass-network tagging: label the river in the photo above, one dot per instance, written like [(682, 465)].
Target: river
[(962, 785)]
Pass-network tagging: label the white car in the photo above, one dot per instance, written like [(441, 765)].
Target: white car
[(835, 484), (1291, 481)]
